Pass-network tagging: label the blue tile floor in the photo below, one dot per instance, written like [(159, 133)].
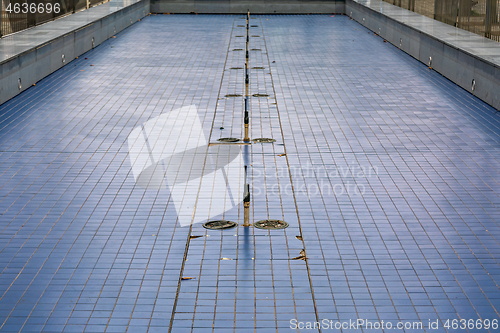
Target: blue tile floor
[(387, 173)]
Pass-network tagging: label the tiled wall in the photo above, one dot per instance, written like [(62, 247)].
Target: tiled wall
[(255, 7)]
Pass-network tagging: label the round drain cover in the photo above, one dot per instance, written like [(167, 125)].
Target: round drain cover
[(233, 95), (228, 139), (260, 95), (219, 224), (264, 140), (271, 224)]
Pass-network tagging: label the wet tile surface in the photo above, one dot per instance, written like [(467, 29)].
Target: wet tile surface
[(388, 171)]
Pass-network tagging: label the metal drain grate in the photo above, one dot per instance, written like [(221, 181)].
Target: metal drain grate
[(258, 68), (270, 224), (236, 68), (255, 36), (239, 36), (264, 140), (260, 95), (233, 95), (241, 26), (219, 225), (228, 139), (256, 50), (237, 49), (254, 26)]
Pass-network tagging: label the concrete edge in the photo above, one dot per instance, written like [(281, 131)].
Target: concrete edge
[(26, 68), (473, 73)]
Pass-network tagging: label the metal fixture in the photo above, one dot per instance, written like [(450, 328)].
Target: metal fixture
[(246, 121), (219, 225), (228, 139), (264, 140), (271, 224), (246, 202)]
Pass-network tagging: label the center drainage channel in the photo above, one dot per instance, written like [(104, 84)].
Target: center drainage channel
[(228, 139), (219, 225), (264, 140), (270, 224)]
